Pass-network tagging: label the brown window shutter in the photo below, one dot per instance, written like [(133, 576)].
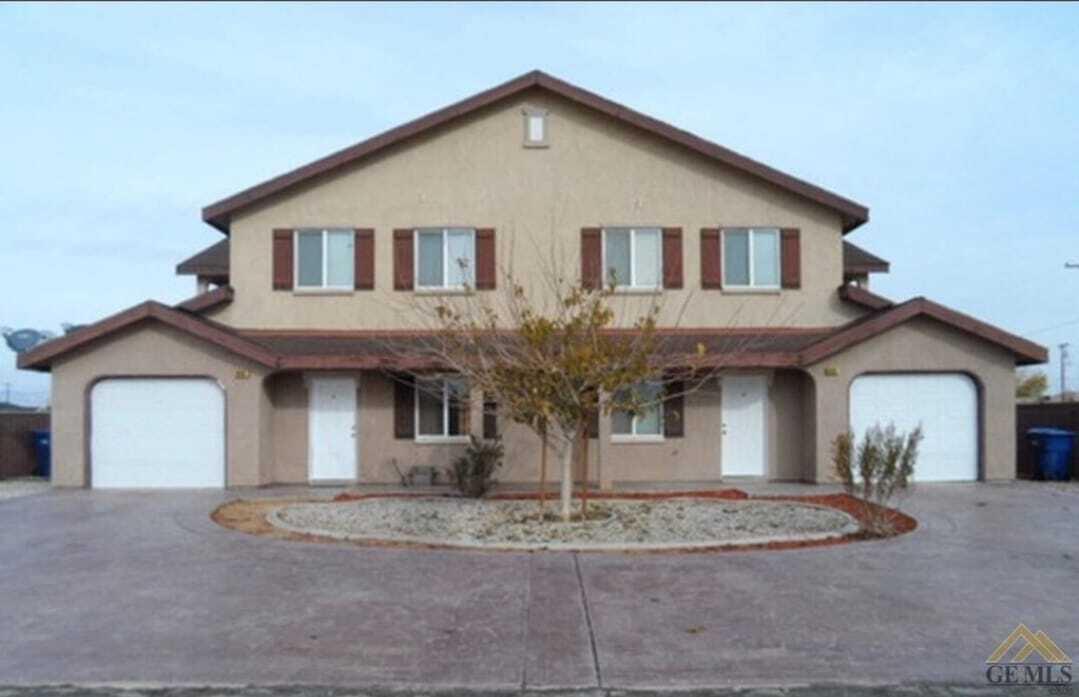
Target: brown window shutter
[(592, 258), (404, 406), (593, 425), (364, 264), (674, 410), (672, 257), (282, 259), (711, 258), (402, 259), (490, 419), (485, 259), (790, 254)]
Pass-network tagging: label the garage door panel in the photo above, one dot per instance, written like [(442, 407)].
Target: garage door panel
[(157, 433), (945, 405)]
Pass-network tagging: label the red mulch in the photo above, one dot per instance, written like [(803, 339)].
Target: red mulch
[(902, 522)]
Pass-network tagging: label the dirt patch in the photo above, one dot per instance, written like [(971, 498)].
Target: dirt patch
[(250, 516)]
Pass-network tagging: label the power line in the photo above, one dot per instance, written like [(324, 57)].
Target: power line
[(1055, 326)]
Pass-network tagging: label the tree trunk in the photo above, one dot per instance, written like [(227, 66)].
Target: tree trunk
[(543, 473), (567, 476), (584, 474)]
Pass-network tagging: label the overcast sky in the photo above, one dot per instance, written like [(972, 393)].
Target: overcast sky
[(958, 125)]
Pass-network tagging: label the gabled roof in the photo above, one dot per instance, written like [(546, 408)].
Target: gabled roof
[(212, 261), (769, 347), (858, 261), (875, 323), (41, 358), (219, 214)]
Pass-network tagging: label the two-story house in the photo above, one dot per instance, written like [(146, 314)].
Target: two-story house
[(278, 370)]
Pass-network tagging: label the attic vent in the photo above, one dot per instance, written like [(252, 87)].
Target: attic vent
[(535, 127)]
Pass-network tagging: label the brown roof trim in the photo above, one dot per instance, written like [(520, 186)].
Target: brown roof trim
[(212, 261), (861, 296), (219, 214), (208, 300), (1026, 352), (257, 334), (41, 358), (859, 261)]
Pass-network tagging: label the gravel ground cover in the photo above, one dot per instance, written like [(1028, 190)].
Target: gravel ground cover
[(614, 524), (11, 488)]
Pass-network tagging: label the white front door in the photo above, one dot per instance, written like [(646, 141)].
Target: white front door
[(743, 451), (944, 404), (332, 444)]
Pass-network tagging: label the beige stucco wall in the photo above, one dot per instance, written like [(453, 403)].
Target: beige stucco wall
[(920, 345), (148, 350), (476, 173), (693, 457)]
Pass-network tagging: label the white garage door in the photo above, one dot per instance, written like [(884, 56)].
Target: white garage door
[(157, 433), (946, 405)]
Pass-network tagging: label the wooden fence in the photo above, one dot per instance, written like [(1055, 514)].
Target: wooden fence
[(16, 449), (1040, 414)]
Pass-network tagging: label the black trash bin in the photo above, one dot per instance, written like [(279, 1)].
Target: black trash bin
[(42, 451)]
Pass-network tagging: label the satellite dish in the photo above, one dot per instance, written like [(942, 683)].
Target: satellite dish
[(22, 340)]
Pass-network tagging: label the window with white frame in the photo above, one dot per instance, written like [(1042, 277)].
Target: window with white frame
[(325, 259), (442, 410), (646, 420), (535, 121), (445, 258), (633, 257), (751, 258)]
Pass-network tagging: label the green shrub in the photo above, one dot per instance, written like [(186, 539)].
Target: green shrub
[(881, 468), (473, 472)]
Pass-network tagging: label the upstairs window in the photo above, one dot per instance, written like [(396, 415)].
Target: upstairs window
[(325, 259), (633, 257), (647, 422), (445, 258), (751, 258), (442, 411)]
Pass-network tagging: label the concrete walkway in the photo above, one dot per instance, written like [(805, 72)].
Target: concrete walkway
[(135, 587)]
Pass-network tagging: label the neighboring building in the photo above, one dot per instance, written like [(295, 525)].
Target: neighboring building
[(281, 373)]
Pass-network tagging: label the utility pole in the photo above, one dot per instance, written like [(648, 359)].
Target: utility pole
[(1064, 370)]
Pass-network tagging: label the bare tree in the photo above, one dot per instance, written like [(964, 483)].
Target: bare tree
[(555, 355)]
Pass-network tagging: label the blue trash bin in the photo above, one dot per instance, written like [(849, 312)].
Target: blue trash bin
[(1053, 448), (42, 451)]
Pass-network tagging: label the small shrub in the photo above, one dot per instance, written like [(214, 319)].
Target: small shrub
[(881, 468), (473, 472)]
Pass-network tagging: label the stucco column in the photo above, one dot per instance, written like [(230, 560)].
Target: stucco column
[(829, 418), (248, 412)]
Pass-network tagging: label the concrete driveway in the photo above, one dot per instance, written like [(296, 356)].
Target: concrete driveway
[(137, 587)]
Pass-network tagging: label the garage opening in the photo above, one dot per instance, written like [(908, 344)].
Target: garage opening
[(945, 404), (157, 433)]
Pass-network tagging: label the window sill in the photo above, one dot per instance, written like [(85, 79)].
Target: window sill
[(441, 440), (443, 291), (628, 440), (748, 290), (630, 290), (323, 291)]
